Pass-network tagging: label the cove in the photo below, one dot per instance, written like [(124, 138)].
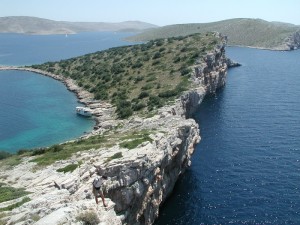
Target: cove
[(246, 168), (37, 111)]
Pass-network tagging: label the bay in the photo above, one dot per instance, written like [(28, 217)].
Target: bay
[(37, 111), (246, 168)]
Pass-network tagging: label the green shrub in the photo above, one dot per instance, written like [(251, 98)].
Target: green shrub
[(88, 218), (185, 71), (22, 151), (154, 101), (147, 86), (156, 55), (114, 156), (168, 93), (138, 106), (143, 94), (38, 151), (4, 155), (56, 148), (68, 168), (124, 113)]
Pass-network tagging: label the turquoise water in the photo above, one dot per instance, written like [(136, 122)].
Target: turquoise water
[(38, 111), (246, 169)]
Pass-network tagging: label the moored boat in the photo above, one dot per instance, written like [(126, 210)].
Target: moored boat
[(83, 111)]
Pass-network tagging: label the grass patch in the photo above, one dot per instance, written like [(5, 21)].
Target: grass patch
[(15, 205), (11, 161), (135, 139), (68, 168), (65, 151), (10, 193), (3, 222), (114, 156)]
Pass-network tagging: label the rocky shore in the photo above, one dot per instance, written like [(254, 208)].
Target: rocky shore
[(139, 181)]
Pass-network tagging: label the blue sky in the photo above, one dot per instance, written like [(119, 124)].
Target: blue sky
[(159, 12)]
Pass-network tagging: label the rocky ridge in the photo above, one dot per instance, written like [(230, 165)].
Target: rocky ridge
[(139, 181)]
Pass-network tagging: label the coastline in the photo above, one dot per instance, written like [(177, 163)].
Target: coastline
[(98, 108), (141, 179)]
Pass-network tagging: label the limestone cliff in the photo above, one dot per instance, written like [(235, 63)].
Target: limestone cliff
[(140, 179), (293, 41)]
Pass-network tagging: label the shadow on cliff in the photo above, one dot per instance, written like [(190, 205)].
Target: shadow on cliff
[(188, 184)]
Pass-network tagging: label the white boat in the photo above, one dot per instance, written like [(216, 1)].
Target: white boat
[(83, 111)]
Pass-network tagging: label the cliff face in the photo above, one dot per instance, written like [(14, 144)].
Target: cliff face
[(140, 186), (293, 41), (139, 181)]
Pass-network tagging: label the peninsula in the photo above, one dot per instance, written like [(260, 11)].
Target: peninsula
[(143, 97)]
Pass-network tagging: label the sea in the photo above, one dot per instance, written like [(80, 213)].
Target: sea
[(246, 169), (37, 111)]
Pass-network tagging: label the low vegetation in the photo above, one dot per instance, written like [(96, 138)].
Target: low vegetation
[(114, 156), (47, 156), (135, 140), (15, 205), (68, 168), (88, 218), (8, 193), (244, 32), (138, 78), (4, 155)]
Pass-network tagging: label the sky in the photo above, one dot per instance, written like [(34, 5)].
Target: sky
[(159, 12)]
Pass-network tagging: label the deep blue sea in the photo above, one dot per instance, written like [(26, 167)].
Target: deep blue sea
[(246, 169), (35, 110)]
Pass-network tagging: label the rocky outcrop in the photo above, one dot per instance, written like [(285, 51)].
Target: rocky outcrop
[(293, 41), (139, 180)]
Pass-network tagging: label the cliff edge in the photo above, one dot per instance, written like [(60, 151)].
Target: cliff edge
[(142, 157)]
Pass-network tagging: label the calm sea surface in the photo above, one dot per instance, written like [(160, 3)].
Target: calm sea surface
[(35, 110), (246, 170)]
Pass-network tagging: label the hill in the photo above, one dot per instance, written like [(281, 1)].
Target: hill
[(240, 32), (137, 77), (33, 25)]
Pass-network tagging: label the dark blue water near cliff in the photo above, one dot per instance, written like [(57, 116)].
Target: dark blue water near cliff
[(35, 110), (246, 170)]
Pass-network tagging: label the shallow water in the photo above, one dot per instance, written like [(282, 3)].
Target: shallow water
[(38, 111)]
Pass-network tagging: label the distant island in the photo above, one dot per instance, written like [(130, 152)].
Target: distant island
[(254, 33), (245, 32), (34, 25)]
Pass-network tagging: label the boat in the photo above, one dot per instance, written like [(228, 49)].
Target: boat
[(83, 111)]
